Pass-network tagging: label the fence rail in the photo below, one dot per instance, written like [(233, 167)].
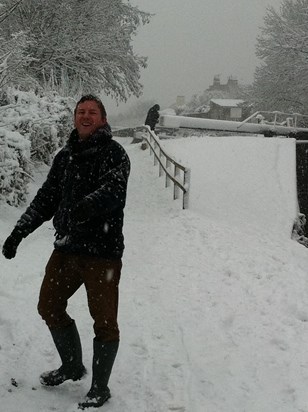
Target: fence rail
[(175, 173)]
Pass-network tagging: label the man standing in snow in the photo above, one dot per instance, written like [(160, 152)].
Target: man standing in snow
[(84, 193), (152, 117)]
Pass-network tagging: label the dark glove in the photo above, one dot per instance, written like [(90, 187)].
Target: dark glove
[(11, 244), (82, 211)]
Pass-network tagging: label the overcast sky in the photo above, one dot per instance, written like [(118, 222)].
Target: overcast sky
[(188, 42)]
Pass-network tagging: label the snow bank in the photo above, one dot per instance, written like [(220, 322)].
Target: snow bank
[(247, 181)]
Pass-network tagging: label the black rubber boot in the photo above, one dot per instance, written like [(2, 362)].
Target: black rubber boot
[(104, 354), (68, 344)]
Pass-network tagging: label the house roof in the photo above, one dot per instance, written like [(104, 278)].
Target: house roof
[(227, 102)]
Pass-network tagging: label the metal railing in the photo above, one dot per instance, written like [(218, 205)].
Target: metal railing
[(175, 173), (277, 118)]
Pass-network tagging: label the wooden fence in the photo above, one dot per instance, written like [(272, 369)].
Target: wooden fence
[(175, 173)]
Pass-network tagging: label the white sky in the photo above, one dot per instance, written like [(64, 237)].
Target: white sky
[(188, 42)]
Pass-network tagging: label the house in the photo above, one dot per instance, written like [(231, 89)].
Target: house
[(226, 109), (219, 101), (231, 88)]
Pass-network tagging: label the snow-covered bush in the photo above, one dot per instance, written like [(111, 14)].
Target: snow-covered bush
[(14, 167), (45, 120), (32, 128)]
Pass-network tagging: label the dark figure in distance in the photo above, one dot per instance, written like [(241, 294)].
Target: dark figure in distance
[(84, 193), (152, 116)]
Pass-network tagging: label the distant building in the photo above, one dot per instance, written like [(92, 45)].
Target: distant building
[(222, 109), (225, 109), (222, 101), (231, 88)]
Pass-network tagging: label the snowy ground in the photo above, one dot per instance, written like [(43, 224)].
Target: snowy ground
[(213, 313)]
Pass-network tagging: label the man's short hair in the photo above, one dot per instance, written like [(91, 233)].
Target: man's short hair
[(91, 97)]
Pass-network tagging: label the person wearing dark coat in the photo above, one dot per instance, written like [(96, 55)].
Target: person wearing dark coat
[(152, 116), (84, 193)]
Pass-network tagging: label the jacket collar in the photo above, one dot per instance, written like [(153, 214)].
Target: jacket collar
[(99, 138)]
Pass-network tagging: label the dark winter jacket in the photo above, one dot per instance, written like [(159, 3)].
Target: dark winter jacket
[(94, 172), (152, 116)]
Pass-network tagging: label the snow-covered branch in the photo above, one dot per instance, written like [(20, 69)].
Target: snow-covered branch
[(76, 42), (281, 81)]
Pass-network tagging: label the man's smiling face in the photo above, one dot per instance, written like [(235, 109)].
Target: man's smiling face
[(88, 118)]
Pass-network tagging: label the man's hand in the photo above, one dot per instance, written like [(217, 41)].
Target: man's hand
[(11, 244)]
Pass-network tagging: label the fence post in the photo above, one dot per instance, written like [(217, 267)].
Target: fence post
[(160, 172), (186, 186), (155, 159), (168, 180), (150, 141), (175, 187)]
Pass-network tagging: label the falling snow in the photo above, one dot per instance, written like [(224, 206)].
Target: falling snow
[(213, 304)]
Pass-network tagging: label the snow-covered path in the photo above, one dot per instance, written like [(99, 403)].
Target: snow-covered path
[(213, 318)]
